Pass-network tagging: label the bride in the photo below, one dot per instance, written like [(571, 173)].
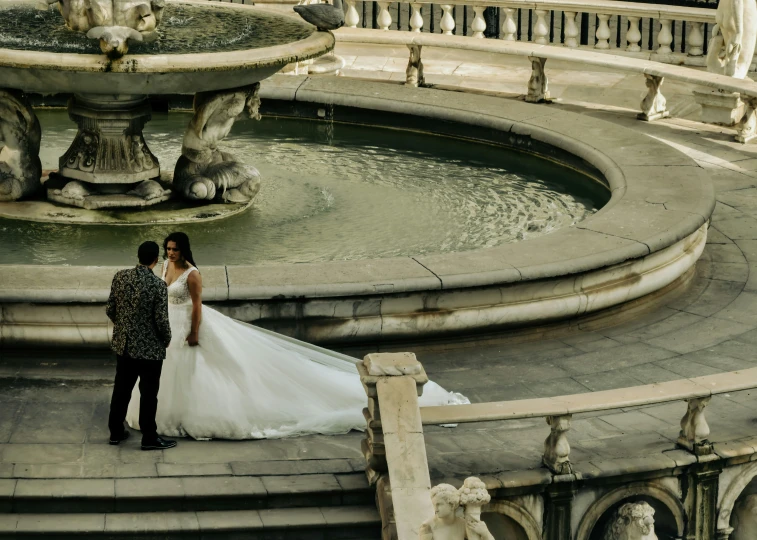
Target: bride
[(224, 379)]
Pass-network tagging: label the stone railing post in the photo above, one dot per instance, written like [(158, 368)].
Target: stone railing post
[(541, 28), (603, 32), (447, 24), (414, 71), (665, 37), (384, 18), (479, 23), (556, 447), (571, 29), (746, 129), (633, 36), (654, 104), (695, 39), (416, 19), (694, 428), (538, 89), (351, 17), (393, 446), (509, 28)]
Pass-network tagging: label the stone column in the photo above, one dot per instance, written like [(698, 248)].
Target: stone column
[(394, 448), (701, 499), (558, 499)]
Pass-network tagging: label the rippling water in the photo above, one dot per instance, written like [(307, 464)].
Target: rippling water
[(184, 29), (333, 192)]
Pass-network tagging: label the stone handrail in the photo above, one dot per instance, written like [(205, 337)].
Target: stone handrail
[(395, 449), (653, 105), (606, 400)]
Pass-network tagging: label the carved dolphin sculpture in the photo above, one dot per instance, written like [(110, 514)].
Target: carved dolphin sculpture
[(114, 40), (323, 16)]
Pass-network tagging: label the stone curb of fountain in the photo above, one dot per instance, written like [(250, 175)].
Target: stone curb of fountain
[(660, 198)]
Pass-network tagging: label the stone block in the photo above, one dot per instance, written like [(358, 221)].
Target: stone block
[(7, 488), (291, 491), (198, 469), (70, 495), (285, 518), (151, 523), (69, 525), (229, 521), (398, 399), (149, 494)]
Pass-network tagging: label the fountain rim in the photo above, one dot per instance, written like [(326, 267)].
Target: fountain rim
[(644, 243), (316, 44), (647, 195)]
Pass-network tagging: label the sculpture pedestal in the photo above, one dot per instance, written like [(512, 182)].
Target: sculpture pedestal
[(108, 164), (721, 108)]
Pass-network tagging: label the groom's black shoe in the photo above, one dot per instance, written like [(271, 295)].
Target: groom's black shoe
[(115, 441), (158, 444)]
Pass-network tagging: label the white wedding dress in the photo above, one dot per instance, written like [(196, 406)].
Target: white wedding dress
[(242, 382)]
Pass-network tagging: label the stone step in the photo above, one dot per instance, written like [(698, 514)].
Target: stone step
[(182, 494), (306, 523)]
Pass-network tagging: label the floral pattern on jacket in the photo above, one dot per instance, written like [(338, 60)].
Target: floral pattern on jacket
[(138, 307)]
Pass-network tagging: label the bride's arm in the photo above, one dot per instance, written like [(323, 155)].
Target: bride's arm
[(194, 281)]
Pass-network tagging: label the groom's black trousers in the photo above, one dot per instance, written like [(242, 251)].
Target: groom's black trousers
[(127, 371)]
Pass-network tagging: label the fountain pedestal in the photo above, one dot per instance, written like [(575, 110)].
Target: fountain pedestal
[(109, 163)]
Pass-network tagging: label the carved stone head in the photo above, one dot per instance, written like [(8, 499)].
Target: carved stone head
[(632, 521), (446, 500)]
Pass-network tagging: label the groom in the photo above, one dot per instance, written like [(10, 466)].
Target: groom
[(138, 307)]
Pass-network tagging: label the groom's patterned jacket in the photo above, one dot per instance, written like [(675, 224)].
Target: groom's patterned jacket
[(138, 307)]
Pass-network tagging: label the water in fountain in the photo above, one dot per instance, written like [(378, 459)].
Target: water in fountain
[(223, 30), (335, 192)]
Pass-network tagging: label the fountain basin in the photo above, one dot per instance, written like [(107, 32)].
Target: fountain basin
[(45, 71), (643, 243)]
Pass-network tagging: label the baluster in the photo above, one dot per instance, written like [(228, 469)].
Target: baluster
[(384, 18), (541, 29), (603, 32), (352, 17), (694, 428), (654, 104), (416, 19), (556, 447), (746, 129), (447, 23), (571, 29), (633, 36), (665, 37), (696, 39), (479, 23), (509, 28), (538, 89), (414, 71)]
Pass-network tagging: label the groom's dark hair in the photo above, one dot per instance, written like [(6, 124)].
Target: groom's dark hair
[(148, 253)]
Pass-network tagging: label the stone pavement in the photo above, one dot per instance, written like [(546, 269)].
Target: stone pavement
[(53, 406)]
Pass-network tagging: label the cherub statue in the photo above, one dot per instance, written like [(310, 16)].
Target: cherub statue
[(20, 135), (203, 172), (633, 521), (447, 524), (734, 36)]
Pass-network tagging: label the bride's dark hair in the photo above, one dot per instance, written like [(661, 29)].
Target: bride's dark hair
[(182, 244)]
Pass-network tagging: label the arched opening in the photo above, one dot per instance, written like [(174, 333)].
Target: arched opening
[(503, 527), (664, 521), (744, 513), (669, 513), (508, 520)]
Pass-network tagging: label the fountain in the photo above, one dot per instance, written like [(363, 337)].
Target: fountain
[(109, 164)]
